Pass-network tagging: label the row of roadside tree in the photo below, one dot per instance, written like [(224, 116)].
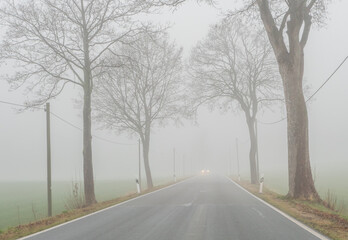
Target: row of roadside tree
[(133, 77)]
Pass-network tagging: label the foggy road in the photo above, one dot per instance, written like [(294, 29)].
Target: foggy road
[(204, 207)]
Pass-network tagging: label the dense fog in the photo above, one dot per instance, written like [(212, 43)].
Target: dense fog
[(205, 142)]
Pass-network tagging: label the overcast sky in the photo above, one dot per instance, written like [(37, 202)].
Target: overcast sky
[(210, 143)]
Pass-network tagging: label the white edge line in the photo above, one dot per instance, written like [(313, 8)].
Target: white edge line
[(300, 224), (102, 210)]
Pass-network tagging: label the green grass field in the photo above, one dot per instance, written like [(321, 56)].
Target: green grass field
[(21, 201)]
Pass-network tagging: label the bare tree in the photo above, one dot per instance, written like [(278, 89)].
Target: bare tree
[(293, 18), (143, 91), (60, 42), (235, 65)]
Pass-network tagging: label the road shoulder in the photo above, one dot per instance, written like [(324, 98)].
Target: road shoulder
[(314, 217)]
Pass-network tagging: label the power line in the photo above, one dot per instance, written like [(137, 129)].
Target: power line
[(20, 105), (327, 79), (66, 122), (95, 136), (271, 123), (325, 82), (110, 141)]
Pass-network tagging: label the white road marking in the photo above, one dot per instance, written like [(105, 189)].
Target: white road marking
[(105, 209), (260, 213), (187, 204), (308, 229)]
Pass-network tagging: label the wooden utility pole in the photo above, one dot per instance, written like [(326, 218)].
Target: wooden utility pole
[(191, 166), (183, 165), (230, 163), (257, 152), (174, 165), (49, 182), (237, 159), (139, 165)]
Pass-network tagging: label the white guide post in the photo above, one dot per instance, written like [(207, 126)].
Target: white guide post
[(138, 185), (262, 179)]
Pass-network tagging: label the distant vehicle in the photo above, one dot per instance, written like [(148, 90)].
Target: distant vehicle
[(205, 172)]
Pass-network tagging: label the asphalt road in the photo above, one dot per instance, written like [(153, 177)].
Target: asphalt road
[(201, 208)]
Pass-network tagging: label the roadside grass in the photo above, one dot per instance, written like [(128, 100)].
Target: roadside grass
[(330, 223), (68, 215), (25, 202), (331, 187)]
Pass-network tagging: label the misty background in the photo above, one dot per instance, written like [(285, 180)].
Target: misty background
[(209, 141)]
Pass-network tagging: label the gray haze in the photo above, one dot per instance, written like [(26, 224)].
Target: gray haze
[(210, 143)]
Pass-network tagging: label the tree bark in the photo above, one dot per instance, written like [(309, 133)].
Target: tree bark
[(87, 150), (146, 150), (87, 124), (254, 175), (301, 184)]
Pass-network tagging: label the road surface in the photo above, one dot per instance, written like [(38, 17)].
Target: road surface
[(201, 208)]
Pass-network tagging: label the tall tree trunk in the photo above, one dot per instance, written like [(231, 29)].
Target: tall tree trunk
[(87, 149), (290, 59), (146, 150), (87, 125), (254, 175), (301, 184)]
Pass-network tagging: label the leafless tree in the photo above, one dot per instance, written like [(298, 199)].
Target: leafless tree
[(234, 66), (145, 89), (59, 42), (288, 24)]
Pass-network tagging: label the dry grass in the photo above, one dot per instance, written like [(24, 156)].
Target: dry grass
[(331, 202), (27, 229), (76, 199), (314, 214)]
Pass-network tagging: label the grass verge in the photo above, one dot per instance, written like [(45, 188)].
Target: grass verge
[(315, 215), (37, 226)]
